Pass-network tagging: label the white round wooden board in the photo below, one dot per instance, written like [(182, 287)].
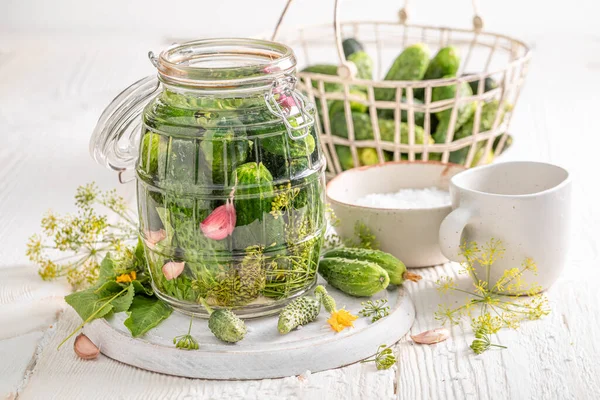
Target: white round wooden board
[(263, 353)]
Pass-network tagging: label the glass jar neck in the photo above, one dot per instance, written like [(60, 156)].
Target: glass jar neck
[(216, 66)]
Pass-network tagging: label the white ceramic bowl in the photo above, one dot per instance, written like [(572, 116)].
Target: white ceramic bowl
[(409, 234)]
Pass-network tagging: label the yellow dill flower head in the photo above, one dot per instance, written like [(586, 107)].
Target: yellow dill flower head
[(530, 265), (444, 314), (341, 319), (444, 284), (127, 278), (487, 323), (481, 287)]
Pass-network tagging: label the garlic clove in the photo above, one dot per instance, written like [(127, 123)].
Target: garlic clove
[(220, 223), (173, 269), (432, 336), (85, 348), (153, 237), (287, 101)]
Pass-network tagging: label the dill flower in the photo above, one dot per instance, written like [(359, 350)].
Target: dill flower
[(73, 245), (384, 358), (492, 306)]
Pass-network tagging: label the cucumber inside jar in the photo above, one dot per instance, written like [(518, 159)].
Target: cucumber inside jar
[(231, 208)]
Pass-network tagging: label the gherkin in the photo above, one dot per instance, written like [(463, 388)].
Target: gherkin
[(299, 312)]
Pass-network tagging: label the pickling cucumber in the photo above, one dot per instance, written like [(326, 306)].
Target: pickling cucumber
[(445, 63), (299, 312), (351, 45), (464, 112), (254, 194), (410, 65), (354, 277), (395, 268)]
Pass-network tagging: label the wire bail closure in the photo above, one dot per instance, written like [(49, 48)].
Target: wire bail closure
[(284, 87)]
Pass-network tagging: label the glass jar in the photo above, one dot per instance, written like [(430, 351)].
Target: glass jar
[(229, 175)]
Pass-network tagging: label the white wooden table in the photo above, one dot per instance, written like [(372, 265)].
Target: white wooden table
[(52, 90)]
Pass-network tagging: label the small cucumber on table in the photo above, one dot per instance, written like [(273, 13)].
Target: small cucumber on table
[(354, 277), (299, 312), (395, 268)]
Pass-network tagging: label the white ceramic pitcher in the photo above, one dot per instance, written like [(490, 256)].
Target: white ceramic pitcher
[(526, 205)]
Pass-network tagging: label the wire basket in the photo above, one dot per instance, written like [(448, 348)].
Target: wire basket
[(484, 57)]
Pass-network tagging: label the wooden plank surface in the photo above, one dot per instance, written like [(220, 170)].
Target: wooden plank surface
[(52, 90)]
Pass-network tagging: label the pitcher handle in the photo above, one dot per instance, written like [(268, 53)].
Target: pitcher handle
[(451, 232)]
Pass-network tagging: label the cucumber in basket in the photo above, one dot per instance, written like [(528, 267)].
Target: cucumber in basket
[(363, 128), (445, 63), (351, 45), (410, 65), (463, 114)]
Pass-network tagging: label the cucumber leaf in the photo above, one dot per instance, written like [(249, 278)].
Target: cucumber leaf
[(145, 313), (140, 288), (107, 269), (99, 302)]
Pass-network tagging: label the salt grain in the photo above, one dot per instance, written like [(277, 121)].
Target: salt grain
[(407, 199)]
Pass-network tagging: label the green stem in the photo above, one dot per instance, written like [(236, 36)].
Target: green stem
[(469, 293), (510, 280), (91, 317), (206, 306), (190, 328), (498, 345)]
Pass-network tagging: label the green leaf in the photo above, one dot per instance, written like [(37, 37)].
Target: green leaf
[(122, 303), (86, 302), (101, 299), (107, 269), (165, 218), (145, 313), (140, 255), (140, 288)]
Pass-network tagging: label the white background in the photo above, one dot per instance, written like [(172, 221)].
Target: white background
[(202, 18), (62, 61)]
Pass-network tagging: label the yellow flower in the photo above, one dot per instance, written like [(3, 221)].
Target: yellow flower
[(480, 287), (445, 283), (341, 319), (126, 278)]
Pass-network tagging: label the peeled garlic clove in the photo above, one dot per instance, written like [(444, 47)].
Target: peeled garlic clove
[(85, 348), (287, 101), (220, 223), (432, 336), (172, 269), (153, 237)]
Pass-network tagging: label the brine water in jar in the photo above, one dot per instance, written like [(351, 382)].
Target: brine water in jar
[(229, 175)]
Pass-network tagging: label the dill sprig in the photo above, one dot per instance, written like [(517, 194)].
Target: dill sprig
[(73, 245), (384, 358), (186, 342), (492, 306), (375, 309)]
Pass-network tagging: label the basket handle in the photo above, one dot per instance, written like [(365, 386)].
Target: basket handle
[(477, 19), (347, 69)]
